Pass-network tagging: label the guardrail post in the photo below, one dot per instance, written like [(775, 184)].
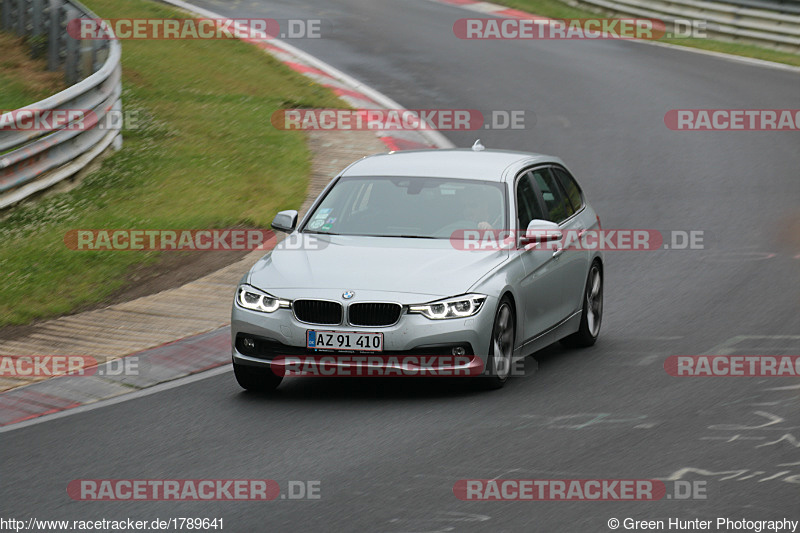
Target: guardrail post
[(97, 45), (37, 30), (71, 61), (5, 15), (37, 10), (21, 17), (86, 58), (54, 37), (100, 54)]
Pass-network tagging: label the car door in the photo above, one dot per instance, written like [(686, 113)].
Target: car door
[(571, 263), (577, 267), (542, 285)]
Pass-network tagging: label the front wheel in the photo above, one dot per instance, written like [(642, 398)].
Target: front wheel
[(256, 379), (501, 347), (592, 314)]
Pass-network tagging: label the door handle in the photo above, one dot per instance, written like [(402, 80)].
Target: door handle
[(558, 253)]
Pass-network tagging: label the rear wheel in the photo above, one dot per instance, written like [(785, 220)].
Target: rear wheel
[(256, 379), (501, 347), (592, 314)]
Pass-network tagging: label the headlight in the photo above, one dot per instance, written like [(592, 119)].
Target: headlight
[(457, 307), (256, 300)]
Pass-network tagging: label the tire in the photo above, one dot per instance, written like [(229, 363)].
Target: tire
[(256, 379), (501, 347), (592, 314)]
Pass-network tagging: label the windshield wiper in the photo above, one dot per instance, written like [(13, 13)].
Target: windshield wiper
[(370, 235), (405, 236), (321, 232)]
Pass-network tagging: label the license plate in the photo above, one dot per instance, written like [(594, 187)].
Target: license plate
[(344, 340)]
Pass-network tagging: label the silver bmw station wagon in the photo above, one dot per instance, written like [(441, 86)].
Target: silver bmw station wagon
[(450, 259)]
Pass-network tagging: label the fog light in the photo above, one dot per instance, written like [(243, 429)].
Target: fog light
[(248, 343), (459, 350)]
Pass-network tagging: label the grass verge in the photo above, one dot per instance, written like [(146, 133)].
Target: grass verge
[(204, 155), (23, 80), (559, 9)]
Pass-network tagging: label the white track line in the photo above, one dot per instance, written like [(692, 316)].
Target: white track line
[(161, 387)]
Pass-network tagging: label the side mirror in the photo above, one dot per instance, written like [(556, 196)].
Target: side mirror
[(540, 231), (285, 221)]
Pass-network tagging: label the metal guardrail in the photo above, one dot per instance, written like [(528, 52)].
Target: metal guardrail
[(791, 7), (728, 21), (32, 159)]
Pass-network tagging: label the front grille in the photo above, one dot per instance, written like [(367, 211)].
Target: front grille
[(373, 314), (318, 311)]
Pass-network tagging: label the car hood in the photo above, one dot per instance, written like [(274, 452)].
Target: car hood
[(430, 267)]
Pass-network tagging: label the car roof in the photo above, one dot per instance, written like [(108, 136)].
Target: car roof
[(464, 163)]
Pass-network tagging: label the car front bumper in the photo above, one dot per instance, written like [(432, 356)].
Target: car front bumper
[(259, 339)]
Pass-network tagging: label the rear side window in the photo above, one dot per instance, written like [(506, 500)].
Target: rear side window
[(570, 186), (557, 207)]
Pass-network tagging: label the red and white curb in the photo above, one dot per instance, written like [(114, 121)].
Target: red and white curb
[(496, 10), (171, 361), (352, 91)]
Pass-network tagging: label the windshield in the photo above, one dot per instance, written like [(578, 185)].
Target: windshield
[(408, 207)]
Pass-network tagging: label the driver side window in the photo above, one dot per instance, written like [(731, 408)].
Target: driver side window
[(527, 204)]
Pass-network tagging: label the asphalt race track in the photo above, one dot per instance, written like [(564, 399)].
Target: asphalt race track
[(388, 452)]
